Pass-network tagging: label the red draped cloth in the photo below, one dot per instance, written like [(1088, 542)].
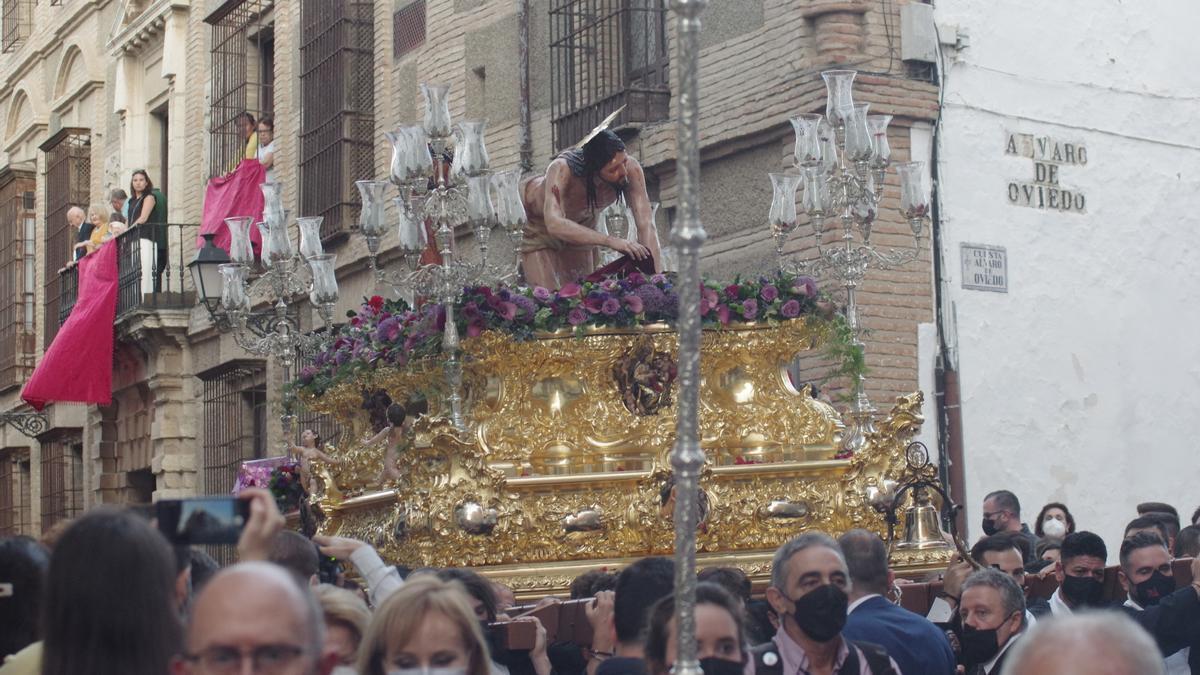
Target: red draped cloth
[(236, 194), (77, 367)]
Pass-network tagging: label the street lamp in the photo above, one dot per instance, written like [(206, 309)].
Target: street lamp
[(206, 273)]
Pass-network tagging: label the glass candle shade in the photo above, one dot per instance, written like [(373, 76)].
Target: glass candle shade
[(310, 236), (437, 109), (858, 137), (808, 141), (324, 280), (839, 98), (241, 251), (782, 217)]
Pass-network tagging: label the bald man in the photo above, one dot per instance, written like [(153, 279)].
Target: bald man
[(1097, 643), (254, 612), (76, 218)]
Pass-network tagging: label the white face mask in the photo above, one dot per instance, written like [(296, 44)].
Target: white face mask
[(1053, 527), (344, 670)]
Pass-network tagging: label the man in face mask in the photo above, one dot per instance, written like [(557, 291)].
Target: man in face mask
[(1002, 513), (1080, 574), (1147, 578), (993, 615), (809, 584)]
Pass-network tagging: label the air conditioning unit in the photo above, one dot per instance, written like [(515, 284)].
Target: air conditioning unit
[(918, 37)]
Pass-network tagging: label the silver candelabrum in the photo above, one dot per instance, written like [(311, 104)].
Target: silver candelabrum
[(283, 275), (445, 197), (842, 159)]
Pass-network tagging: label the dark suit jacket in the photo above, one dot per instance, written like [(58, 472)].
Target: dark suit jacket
[(916, 644)]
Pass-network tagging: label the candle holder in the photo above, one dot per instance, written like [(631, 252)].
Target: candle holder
[(842, 161)]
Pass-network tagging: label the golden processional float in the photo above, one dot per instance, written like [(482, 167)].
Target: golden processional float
[(608, 420), (597, 424)]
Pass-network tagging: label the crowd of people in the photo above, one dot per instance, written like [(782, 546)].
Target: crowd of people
[(109, 594)]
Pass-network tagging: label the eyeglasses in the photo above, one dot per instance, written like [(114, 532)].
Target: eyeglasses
[(266, 658)]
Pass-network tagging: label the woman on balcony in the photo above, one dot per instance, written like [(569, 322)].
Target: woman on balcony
[(148, 209), (98, 217)]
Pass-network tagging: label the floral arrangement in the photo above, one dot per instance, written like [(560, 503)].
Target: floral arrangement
[(285, 485), (385, 332)]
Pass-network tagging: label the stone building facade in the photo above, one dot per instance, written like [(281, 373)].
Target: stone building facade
[(155, 84)]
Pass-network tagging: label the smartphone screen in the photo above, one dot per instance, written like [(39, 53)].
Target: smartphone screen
[(202, 520)]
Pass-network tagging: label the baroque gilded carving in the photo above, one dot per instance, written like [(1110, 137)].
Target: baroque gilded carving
[(557, 475)]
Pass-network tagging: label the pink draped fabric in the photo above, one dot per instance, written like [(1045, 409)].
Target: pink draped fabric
[(77, 367), (236, 194)]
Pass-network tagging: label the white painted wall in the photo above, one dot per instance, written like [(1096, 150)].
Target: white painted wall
[(1082, 383)]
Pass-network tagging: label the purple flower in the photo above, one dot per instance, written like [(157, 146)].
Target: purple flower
[(306, 375), (609, 285), (659, 279), (723, 314), (611, 306), (594, 302), (529, 307), (634, 303), (790, 309), (542, 294), (636, 278), (653, 300), (342, 357), (806, 286), (576, 316), (570, 290), (388, 330), (507, 311), (750, 309), (769, 293)]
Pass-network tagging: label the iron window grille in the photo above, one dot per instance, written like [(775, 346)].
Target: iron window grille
[(17, 225), (24, 494), (408, 28), (9, 519), (15, 18), (337, 119), (62, 480), (242, 76), (68, 182), (235, 427), (605, 54)]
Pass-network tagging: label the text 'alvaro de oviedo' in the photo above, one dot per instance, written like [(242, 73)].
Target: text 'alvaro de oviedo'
[(1049, 156)]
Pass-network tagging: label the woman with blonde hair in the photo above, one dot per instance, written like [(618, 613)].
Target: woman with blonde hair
[(346, 620), (97, 216), (427, 624)]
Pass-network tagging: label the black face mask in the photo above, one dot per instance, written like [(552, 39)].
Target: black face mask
[(714, 665), (821, 613), (978, 645), (1150, 591), (1083, 591), (989, 528)]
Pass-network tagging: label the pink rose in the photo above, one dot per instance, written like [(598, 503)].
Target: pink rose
[(723, 314), (634, 303), (769, 293), (611, 306), (790, 309), (507, 310), (541, 294)]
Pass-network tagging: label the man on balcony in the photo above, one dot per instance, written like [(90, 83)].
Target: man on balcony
[(563, 207)]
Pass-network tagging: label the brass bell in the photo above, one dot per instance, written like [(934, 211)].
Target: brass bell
[(923, 525)]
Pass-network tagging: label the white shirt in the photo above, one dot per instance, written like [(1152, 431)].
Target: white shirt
[(1057, 606), (263, 151), (382, 579), (1177, 663)]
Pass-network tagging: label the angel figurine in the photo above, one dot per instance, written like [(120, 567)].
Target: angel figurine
[(396, 433)]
